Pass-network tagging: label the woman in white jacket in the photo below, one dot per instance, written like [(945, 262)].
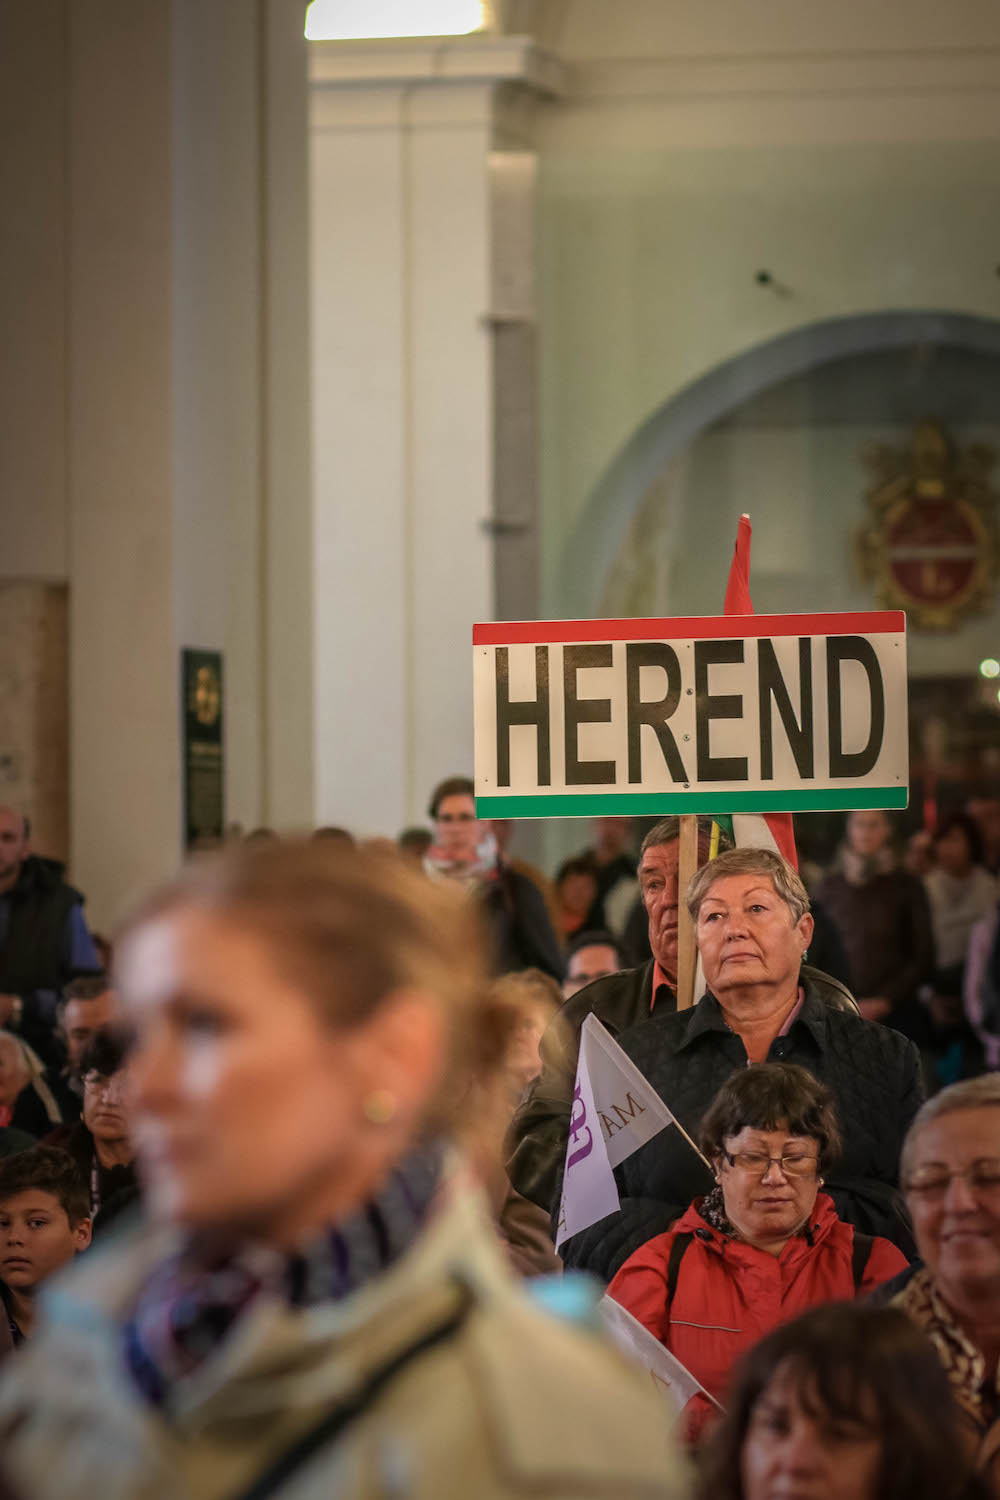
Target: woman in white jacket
[(319, 1306)]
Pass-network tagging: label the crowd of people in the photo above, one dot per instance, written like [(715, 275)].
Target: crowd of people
[(305, 1143)]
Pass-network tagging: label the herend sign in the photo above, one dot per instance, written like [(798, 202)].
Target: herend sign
[(754, 713)]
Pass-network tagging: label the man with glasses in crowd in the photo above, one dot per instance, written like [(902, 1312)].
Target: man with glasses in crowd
[(465, 850)]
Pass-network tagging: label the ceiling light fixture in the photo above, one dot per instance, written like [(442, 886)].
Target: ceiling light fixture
[(345, 20)]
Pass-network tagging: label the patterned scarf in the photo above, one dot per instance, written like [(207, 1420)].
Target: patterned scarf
[(963, 1363), (713, 1210), (191, 1302)]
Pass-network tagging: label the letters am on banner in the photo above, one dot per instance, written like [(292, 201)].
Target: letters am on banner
[(745, 713), (615, 1111), (588, 1192)]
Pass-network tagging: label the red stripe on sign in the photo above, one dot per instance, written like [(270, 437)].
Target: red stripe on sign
[(687, 628)]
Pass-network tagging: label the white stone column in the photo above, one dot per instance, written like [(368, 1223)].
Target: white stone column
[(410, 263)]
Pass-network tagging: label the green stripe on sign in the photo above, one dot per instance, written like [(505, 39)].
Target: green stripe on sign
[(649, 804)]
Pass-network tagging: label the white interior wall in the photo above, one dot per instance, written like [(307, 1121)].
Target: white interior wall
[(217, 435), (154, 432), (403, 223), (124, 753), (286, 679), (34, 540), (848, 153), (452, 391), (591, 30), (648, 269), (360, 445)]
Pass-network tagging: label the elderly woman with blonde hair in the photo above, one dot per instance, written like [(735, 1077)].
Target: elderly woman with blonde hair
[(318, 1305), (753, 927)]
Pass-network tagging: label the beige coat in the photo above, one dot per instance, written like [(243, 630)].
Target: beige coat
[(513, 1403)]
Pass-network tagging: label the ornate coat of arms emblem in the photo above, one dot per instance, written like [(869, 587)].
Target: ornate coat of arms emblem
[(206, 699), (931, 543)]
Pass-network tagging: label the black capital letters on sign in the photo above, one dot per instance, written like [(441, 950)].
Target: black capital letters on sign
[(523, 711), (841, 648), (771, 686), (709, 707), (657, 711), (588, 711)]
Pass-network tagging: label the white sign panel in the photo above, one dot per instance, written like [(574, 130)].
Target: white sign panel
[(673, 1380), (735, 713)]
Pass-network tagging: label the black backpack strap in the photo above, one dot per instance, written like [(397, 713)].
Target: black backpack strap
[(860, 1255), (332, 1424), (677, 1249)]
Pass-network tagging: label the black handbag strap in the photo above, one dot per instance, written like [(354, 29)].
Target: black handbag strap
[(333, 1423), (860, 1255), (677, 1249)]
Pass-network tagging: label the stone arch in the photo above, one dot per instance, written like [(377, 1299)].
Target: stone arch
[(609, 509)]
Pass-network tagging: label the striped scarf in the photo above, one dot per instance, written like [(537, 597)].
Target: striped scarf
[(192, 1301)]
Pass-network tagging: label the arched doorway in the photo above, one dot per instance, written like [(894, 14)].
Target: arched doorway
[(881, 344)]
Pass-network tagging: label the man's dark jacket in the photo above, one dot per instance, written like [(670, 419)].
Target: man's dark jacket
[(522, 933), (886, 928), (874, 1074), (34, 953)]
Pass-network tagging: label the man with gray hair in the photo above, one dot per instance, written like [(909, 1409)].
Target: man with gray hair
[(85, 1005), (536, 1141)]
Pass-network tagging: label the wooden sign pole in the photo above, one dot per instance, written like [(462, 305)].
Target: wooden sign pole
[(687, 956)]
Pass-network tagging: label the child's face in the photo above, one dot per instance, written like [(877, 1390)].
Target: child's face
[(36, 1238)]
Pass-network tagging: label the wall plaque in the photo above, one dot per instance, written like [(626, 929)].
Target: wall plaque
[(204, 766)]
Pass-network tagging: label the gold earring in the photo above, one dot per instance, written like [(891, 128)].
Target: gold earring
[(379, 1107)]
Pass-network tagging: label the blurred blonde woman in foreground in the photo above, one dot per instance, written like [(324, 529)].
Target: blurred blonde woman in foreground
[(318, 1306)]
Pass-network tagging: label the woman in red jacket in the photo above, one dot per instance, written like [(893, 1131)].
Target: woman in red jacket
[(765, 1244)]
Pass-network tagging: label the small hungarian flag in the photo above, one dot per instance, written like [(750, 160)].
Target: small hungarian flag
[(752, 830)]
